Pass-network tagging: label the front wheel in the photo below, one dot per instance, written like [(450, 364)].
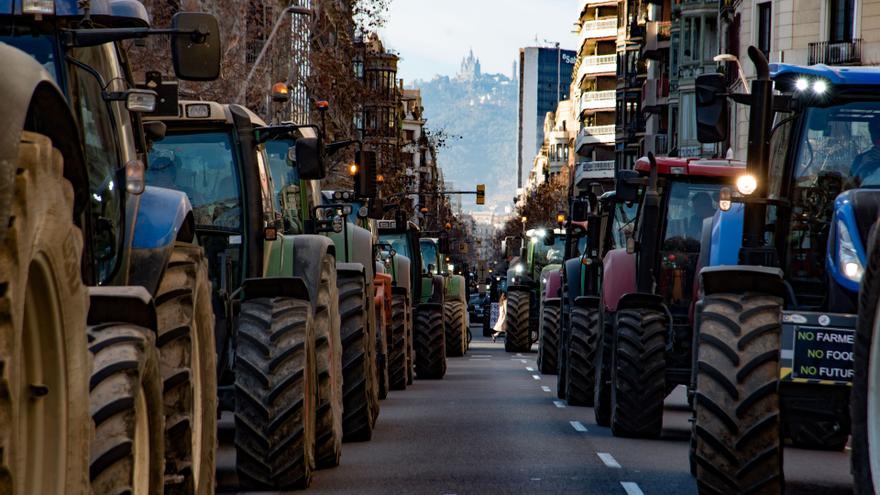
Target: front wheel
[(455, 325), (328, 349), (548, 343), (583, 344), (429, 343), (516, 323), (397, 344), (866, 383), (358, 349), (738, 447)]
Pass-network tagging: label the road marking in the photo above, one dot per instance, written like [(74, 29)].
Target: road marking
[(518, 355), (559, 404), (631, 488), (529, 368), (536, 377), (523, 361), (545, 388), (535, 479), (609, 460), (578, 426), (481, 355)]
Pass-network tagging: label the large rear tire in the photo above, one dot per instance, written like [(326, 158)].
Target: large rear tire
[(582, 350), (455, 326), (866, 382), (128, 451), (382, 329), (638, 376), (328, 349), (430, 345), (602, 383), (43, 306), (548, 344), (738, 440), (397, 350), (188, 366), (516, 323), (275, 394), (410, 353), (357, 349)]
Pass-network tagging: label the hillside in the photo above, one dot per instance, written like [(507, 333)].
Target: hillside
[(481, 113)]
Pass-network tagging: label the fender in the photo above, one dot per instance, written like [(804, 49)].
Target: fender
[(256, 288), (159, 217), (639, 300), (589, 302), (401, 266), (33, 102), (455, 288), (845, 213), (519, 288), (553, 286), (574, 274), (125, 304), (350, 268), (432, 289), (359, 248), (739, 279), (382, 298), (298, 256), (619, 277)]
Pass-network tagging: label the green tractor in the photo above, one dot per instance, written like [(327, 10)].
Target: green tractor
[(106, 342), (275, 289), (454, 294)]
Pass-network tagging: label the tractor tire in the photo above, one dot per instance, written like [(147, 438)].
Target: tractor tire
[(41, 288), (738, 440), (188, 365), (638, 376), (397, 347), (328, 350), (548, 345), (582, 349), (410, 354), (602, 382), (382, 330), (429, 343), (373, 330), (357, 349), (866, 382), (455, 328), (275, 394), (128, 450), (516, 323)]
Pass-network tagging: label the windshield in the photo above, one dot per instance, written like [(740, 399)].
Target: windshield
[(41, 47), (429, 256), (840, 141), (689, 204), (398, 243), (548, 255), (282, 173), (623, 224), (203, 166)]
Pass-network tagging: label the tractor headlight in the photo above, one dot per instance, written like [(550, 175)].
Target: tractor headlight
[(746, 184), (518, 268), (338, 224), (847, 257), (802, 84)]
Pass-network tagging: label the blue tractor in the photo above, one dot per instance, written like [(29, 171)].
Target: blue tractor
[(104, 319), (782, 265)]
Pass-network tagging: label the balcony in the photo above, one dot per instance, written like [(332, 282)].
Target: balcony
[(596, 100), (600, 28), (597, 134), (836, 52), (589, 171), (597, 64)]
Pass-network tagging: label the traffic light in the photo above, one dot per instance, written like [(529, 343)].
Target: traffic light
[(481, 194)]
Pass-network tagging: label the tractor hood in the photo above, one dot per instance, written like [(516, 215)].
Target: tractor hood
[(115, 13)]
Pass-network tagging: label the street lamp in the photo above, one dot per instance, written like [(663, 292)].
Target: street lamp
[(727, 57)]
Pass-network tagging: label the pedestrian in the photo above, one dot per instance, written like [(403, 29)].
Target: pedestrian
[(502, 315)]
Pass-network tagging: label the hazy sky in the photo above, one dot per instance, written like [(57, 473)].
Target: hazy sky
[(432, 36)]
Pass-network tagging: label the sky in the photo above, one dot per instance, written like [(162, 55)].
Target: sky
[(432, 36)]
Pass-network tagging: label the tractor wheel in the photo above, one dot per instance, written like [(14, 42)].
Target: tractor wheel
[(128, 451), (188, 366), (43, 307), (328, 350), (397, 349), (410, 354), (638, 375), (357, 419), (602, 382), (373, 330), (275, 394), (516, 323), (382, 329), (738, 441), (582, 347), (429, 342), (866, 383), (454, 323), (548, 345)]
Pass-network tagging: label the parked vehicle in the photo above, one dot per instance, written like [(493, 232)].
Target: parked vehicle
[(777, 314)]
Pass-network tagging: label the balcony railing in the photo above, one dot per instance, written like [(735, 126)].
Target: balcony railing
[(597, 130), (599, 165), (594, 60), (598, 99), (836, 52), (600, 25)]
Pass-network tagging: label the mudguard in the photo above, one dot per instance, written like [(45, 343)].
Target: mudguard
[(256, 288), (553, 285), (349, 268), (637, 300), (400, 269), (739, 279), (160, 217), (32, 101), (432, 289), (122, 304), (298, 256), (844, 213), (588, 302), (358, 249), (455, 288), (382, 298), (574, 278), (619, 277)]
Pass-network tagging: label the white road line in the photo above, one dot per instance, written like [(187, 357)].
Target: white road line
[(577, 425), (481, 355), (518, 355), (631, 488), (545, 388), (529, 368), (523, 361), (558, 403), (609, 460), (536, 377)]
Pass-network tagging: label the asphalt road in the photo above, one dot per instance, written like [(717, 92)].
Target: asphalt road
[(493, 425)]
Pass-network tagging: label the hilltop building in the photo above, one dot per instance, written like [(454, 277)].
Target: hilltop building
[(470, 68)]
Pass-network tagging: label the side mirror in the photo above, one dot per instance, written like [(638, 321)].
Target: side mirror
[(712, 108), (580, 210), (443, 243), (309, 161), (196, 55), (625, 188)]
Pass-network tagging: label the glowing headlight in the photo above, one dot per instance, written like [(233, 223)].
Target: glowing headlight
[(451, 268), (541, 233), (746, 184), (801, 84), (518, 268), (820, 87), (847, 257)]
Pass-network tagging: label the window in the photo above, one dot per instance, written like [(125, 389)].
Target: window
[(841, 20), (765, 20)]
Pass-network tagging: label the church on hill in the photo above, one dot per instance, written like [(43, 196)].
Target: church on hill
[(470, 68)]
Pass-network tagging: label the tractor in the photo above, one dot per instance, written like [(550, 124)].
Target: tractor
[(648, 291), (776, 320), (275, 293), (101, 276), (435, 256), (866, 376)]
